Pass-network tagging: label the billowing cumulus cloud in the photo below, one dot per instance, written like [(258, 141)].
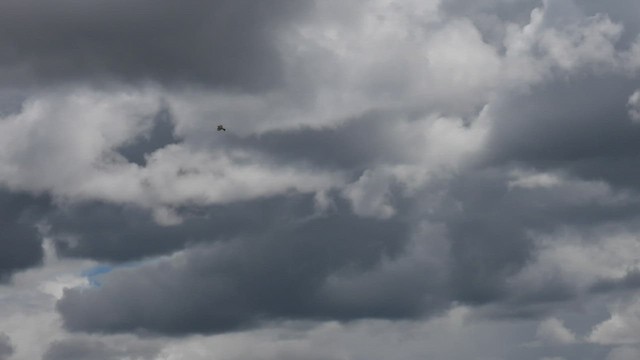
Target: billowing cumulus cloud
[(409, 163)]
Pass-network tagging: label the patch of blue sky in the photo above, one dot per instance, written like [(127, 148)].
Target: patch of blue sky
[(95, 274)]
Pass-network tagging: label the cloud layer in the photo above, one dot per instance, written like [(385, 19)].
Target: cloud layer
[(411, 163)]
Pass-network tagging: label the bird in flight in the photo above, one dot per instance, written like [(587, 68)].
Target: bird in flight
[(221, 128)]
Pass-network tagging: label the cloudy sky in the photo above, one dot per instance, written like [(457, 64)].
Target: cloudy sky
[(399, 179)]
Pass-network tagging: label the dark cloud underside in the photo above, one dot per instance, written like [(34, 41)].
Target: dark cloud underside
[(330, 267), (235, 284), (6, 348), (213, 43), (94, 349), (118, 233), (20, 240), (578, 124)]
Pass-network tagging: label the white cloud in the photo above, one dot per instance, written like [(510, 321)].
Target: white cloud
[(633, 106), (64, 145), (394, 56), (578, 257), (27, 313), (559, 38), (552, 331), (439, 147), (529, 180), (370, 194), (624, 353), (622, 327)]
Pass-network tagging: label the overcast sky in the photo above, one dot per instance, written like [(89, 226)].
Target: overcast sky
[(399, 179)]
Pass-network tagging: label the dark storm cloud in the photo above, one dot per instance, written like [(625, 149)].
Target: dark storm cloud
[(273, 260), (490, 235), (216, 43), (579, 124), (631, 281), (355, 145), (325, 268), (237, 283), (492, 228), (488, 241), (94, 349), (6, 348), (117, 233), (20, 240)]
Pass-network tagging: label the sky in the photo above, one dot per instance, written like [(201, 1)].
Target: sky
[(399, 179)]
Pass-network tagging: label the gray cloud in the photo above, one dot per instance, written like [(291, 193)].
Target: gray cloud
[(511, 212), (6, 348), (333, 267), (20, 240), (160, 135), (491, 224), (118, 233), (631, 281), (237, 283), (213, 43), (489, 16), (94, 349), (360, 143), (578, 124)]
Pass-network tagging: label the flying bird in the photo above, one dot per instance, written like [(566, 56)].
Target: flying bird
[(221, 128)]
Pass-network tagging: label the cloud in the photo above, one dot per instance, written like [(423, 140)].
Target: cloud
[(516, 257), (111, 232), (69, 145), (552, 331), (160, 135), (28, 303), (634, 106), (90, 349), (20, 240), (630, 281), (218, 43), (235, 284), (6, 348), (621, 328), (624, 353), (383, 160)]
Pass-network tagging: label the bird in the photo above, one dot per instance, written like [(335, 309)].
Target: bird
[(221, 128)]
